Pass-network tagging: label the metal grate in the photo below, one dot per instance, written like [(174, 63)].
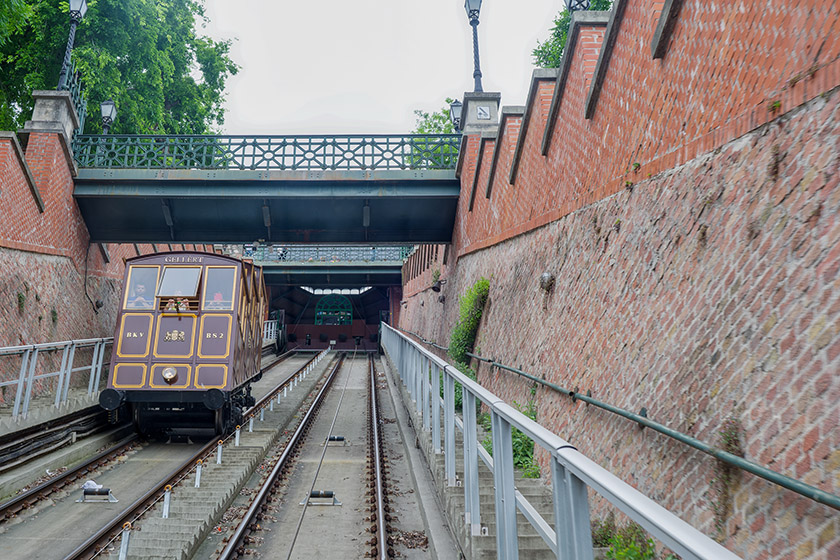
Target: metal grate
[(350, 152)]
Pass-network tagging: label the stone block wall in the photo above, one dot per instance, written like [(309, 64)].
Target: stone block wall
[(691, 225)]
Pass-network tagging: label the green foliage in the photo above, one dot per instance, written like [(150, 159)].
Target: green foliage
[(623, 547), (603, 531), (13, 17), (432, 124), (463, 335), (21, 301), (471, 307), (143, 54), (627, 542), (548, 54), (523, 446)]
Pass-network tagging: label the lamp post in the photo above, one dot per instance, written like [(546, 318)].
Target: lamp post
[(473, 7), (109, 113), (576, 5), (455, 109), (78, 8)]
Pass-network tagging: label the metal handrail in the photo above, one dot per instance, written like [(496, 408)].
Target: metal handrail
[(83, 342), (289, 153), (780, 479), (27, 376), (572, 472)]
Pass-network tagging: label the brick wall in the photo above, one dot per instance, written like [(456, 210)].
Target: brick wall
[(701, 284), (46, 256)]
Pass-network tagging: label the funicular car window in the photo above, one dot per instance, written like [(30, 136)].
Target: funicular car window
[(219, 285), (179, 281), (141, 282)]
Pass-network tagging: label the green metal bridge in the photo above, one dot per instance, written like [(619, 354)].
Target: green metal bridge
[(369, 189)]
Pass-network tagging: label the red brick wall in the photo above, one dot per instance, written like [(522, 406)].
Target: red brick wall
[(706, 291), (44, 256)]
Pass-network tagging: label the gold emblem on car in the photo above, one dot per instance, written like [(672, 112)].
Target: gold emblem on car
[(174, 336)]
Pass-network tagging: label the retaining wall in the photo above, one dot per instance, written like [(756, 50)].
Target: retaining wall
[(691, 225)]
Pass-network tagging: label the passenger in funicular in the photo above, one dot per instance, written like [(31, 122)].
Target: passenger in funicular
[(139, 299), (141, 293), (219, 292)]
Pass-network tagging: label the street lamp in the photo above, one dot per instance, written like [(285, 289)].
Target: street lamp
[(109, 114), (576, 5), (473, 7), (78, 8), (455, 109)]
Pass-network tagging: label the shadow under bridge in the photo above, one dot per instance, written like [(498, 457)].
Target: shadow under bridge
[(283, 189)]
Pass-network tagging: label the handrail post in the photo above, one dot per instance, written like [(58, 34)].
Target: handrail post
[(449, 427), (24, 366), (507, 538), (99, 367), (471, 496), (70, 360), (436, 409), (61, 373), (93, 360), (427, 389), (30, 382), (418, 382), (571, 514)]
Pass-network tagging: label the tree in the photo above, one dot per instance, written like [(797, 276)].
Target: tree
[(550, 53), (13, 16), (433, 152), (434, 123), (143, 54)]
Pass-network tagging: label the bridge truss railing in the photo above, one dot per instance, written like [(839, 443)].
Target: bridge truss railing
[(297, 152), (57, 366), (572, 473), (319, 253), (77, 96)]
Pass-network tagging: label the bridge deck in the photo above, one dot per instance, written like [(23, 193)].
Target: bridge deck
[(184, 205)]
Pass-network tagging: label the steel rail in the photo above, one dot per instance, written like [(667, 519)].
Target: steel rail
[(244, 527), (751, 467), (381, 536), (90, 548), (22, 501)]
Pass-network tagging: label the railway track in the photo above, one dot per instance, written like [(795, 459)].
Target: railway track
[(55, 490), (296, 465), (245, 497)]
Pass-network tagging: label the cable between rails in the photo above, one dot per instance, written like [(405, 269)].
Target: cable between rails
[(321, 460)]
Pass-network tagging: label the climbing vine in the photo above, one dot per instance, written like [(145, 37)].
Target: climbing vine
[(471, 307)]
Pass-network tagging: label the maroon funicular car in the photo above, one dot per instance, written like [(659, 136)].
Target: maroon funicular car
[(187, 344)]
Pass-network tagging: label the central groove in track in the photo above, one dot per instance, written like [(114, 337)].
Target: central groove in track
[(281, 486)]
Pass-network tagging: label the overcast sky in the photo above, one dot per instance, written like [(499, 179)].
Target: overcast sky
[(364, 66)]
